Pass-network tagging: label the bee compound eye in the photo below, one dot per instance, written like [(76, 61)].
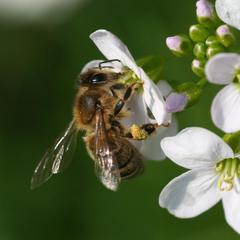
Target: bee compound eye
[(98, 78)]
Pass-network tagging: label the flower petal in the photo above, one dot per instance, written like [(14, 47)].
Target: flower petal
[(225, 110), (231, 205), (164, 87), (176, 102), (196, 147), (151, 149), (154, 99), (221, 68), (228, 11), (113, 48), (191, 194), (138, 111)]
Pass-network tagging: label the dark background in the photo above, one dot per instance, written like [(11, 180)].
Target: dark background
[(39, 63)]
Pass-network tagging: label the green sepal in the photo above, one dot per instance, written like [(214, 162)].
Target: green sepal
[(212, 41), (198, 33), (198, 70), (152, 65), (199, 50), (233, 140), (211, 51)]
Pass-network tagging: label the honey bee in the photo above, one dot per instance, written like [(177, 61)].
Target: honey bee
[(99, 107)]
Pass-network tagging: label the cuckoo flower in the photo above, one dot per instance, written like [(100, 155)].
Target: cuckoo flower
[(113, 48), (150, 148), (147, 106), (228, 11), (224, 69), (214, 175)]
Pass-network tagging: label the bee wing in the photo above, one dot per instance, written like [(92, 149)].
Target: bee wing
[(106, 164), (57, 158)]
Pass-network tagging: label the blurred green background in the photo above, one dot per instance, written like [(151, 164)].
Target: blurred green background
[(39, 65)]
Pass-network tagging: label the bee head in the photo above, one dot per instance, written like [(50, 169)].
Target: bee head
[(93, 79), (96, 77)]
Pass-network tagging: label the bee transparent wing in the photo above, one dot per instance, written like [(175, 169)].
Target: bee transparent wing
[(106, 164), (57, 158)]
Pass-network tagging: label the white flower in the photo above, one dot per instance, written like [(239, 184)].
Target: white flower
[(213, 176), (113, 48), (224, 68), (228, 11), (149, 148)]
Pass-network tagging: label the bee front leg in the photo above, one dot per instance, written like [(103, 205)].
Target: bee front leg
[(120, 104)]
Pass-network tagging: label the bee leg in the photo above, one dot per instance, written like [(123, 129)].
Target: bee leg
[(142, 132), (115, 87), (120, 104)]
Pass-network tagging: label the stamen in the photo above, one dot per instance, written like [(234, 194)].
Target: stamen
[(237, 75), (228, 168), (219, 166)]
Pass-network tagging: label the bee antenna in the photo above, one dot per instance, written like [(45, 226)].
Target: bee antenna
[(107, 61)]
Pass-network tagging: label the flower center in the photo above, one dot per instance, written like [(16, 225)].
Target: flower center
[(237, 75), (129, 77), (228, 169)]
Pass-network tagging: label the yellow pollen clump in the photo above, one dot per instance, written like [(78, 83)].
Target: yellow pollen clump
[(138, 133)]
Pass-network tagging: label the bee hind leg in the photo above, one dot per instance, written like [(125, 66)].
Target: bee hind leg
[(142, 132)]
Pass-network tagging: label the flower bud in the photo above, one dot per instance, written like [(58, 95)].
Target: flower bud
[(198, 67), (211, 51), (179, 45), (176, 102), (192, 91), (225, 35), (206, 13), (212, 41), (199, 50), (198, 33)]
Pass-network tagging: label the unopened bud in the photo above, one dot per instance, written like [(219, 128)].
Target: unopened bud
[(225, 35), (206, 13), (212, 41), (198, 67), (179, 45), (211, 51), (176, 102), (199, 50), (198, 33)]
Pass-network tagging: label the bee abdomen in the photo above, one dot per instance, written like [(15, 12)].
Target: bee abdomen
[(129, 160)]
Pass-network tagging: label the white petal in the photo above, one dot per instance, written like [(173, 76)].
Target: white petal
[(221, 68), (113, 48), (151, 149), (237, 184), (137, 112), (154, 99), (115, 66), (191, 194), (231, 205), (164, 87), (196, 147), (228, 11), (225, 110)]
